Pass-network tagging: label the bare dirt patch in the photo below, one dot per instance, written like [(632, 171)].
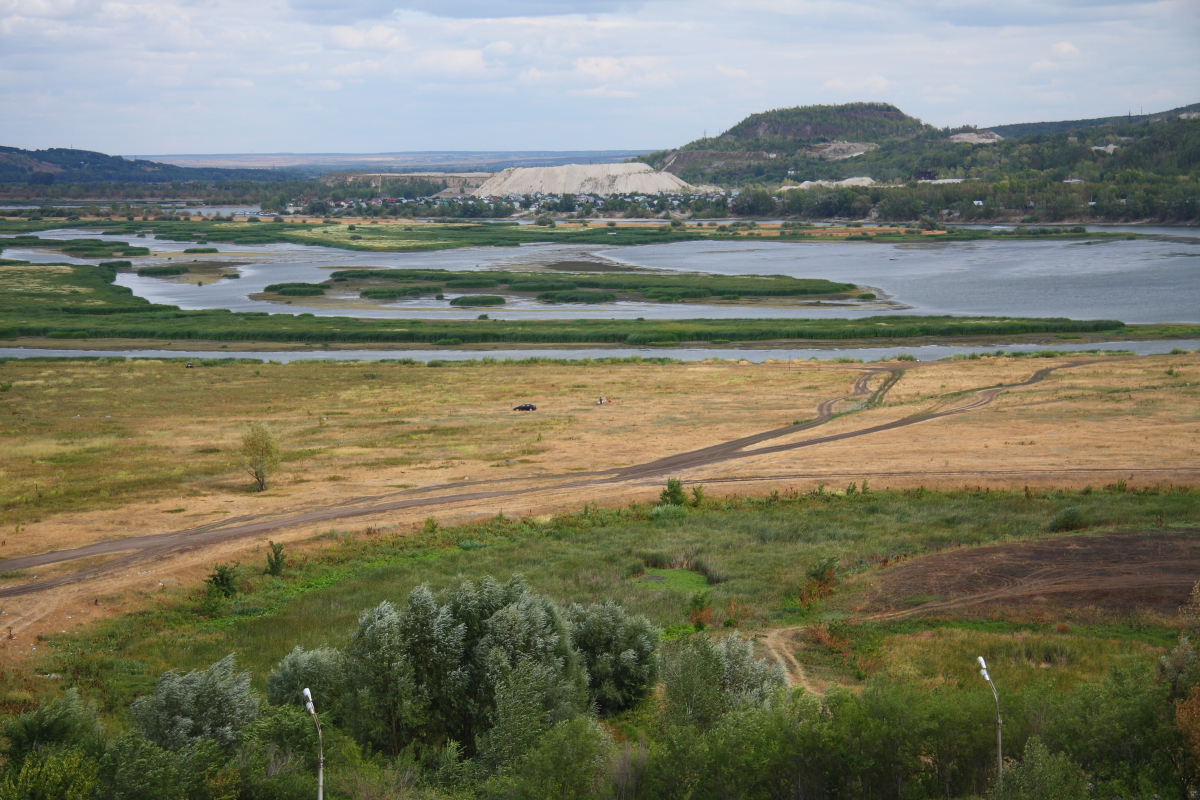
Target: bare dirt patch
[(1112, 573)]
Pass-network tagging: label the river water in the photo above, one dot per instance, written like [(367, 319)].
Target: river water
[(1135, 281), (932, 352)]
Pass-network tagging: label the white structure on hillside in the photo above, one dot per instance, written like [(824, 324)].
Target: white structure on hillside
[(594, 179)]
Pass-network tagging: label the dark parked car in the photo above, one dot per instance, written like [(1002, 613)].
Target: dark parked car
[(525, 407)]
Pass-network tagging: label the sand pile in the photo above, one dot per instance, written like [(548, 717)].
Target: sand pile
[(977, 137), (583, 179), (861, 181)]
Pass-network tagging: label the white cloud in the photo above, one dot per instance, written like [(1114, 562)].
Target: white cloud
[(377, 37), (140, 76), (871, 83), (602, 91), (325, 85)]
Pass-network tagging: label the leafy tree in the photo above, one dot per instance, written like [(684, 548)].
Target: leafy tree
[(430, 672), (673, 495), (259, 453), (1042, 776), (703, 679), (755, 203), (136, 769), (619, 652), (570, 761), (57, 722), (322, 670), (1119, 730), (213, 703), (278, 752), (222, 580), (68, 774), (385, 699)]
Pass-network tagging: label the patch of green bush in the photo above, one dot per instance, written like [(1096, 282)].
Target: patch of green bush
[(478, 300), (155, 272), (576, 297)]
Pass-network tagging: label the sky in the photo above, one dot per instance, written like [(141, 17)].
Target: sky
[(361, 76)]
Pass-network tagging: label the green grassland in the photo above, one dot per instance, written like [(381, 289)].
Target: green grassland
[(447, 235), (752, 556), (563, 287)]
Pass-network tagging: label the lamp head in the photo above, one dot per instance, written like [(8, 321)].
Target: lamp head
[(308, 701), (982, 665)]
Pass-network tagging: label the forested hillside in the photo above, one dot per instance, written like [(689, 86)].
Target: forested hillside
[(791, 144), (1026, 128)]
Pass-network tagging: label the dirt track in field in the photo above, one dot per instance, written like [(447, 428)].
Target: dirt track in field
[(132, 550)]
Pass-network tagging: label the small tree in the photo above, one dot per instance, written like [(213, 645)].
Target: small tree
[(673, 495), (259, 454), (222, 580), (1042, 776), (275, 559)]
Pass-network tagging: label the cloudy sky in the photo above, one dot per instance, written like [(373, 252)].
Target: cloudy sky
[(230, 76)]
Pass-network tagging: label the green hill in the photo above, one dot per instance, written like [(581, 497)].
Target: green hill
[(880, 141), (855, 122)]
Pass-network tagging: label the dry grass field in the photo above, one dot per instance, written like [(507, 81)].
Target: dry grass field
[(99, 451)]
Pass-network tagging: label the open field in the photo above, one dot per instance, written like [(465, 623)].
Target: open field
[(390, 444)]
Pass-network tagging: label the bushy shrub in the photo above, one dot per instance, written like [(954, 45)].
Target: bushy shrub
[(478, 300), (156, 272), (576, 296), (1069, 519)]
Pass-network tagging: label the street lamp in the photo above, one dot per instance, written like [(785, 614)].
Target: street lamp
[(983, 670), (308, 704)]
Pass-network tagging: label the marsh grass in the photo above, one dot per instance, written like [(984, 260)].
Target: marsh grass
[(763, 546), (83, 302)]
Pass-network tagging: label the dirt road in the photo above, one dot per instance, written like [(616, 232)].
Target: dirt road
[(135, 549)]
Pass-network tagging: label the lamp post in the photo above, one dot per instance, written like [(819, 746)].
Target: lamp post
[(983, 670), (308, 704)]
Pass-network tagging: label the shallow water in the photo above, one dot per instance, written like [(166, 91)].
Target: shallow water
[(932, 352), (1138, 281)]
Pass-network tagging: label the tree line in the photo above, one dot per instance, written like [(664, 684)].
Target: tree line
[(488, 690)]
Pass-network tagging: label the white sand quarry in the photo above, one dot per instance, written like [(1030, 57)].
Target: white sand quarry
[(601, 179)]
